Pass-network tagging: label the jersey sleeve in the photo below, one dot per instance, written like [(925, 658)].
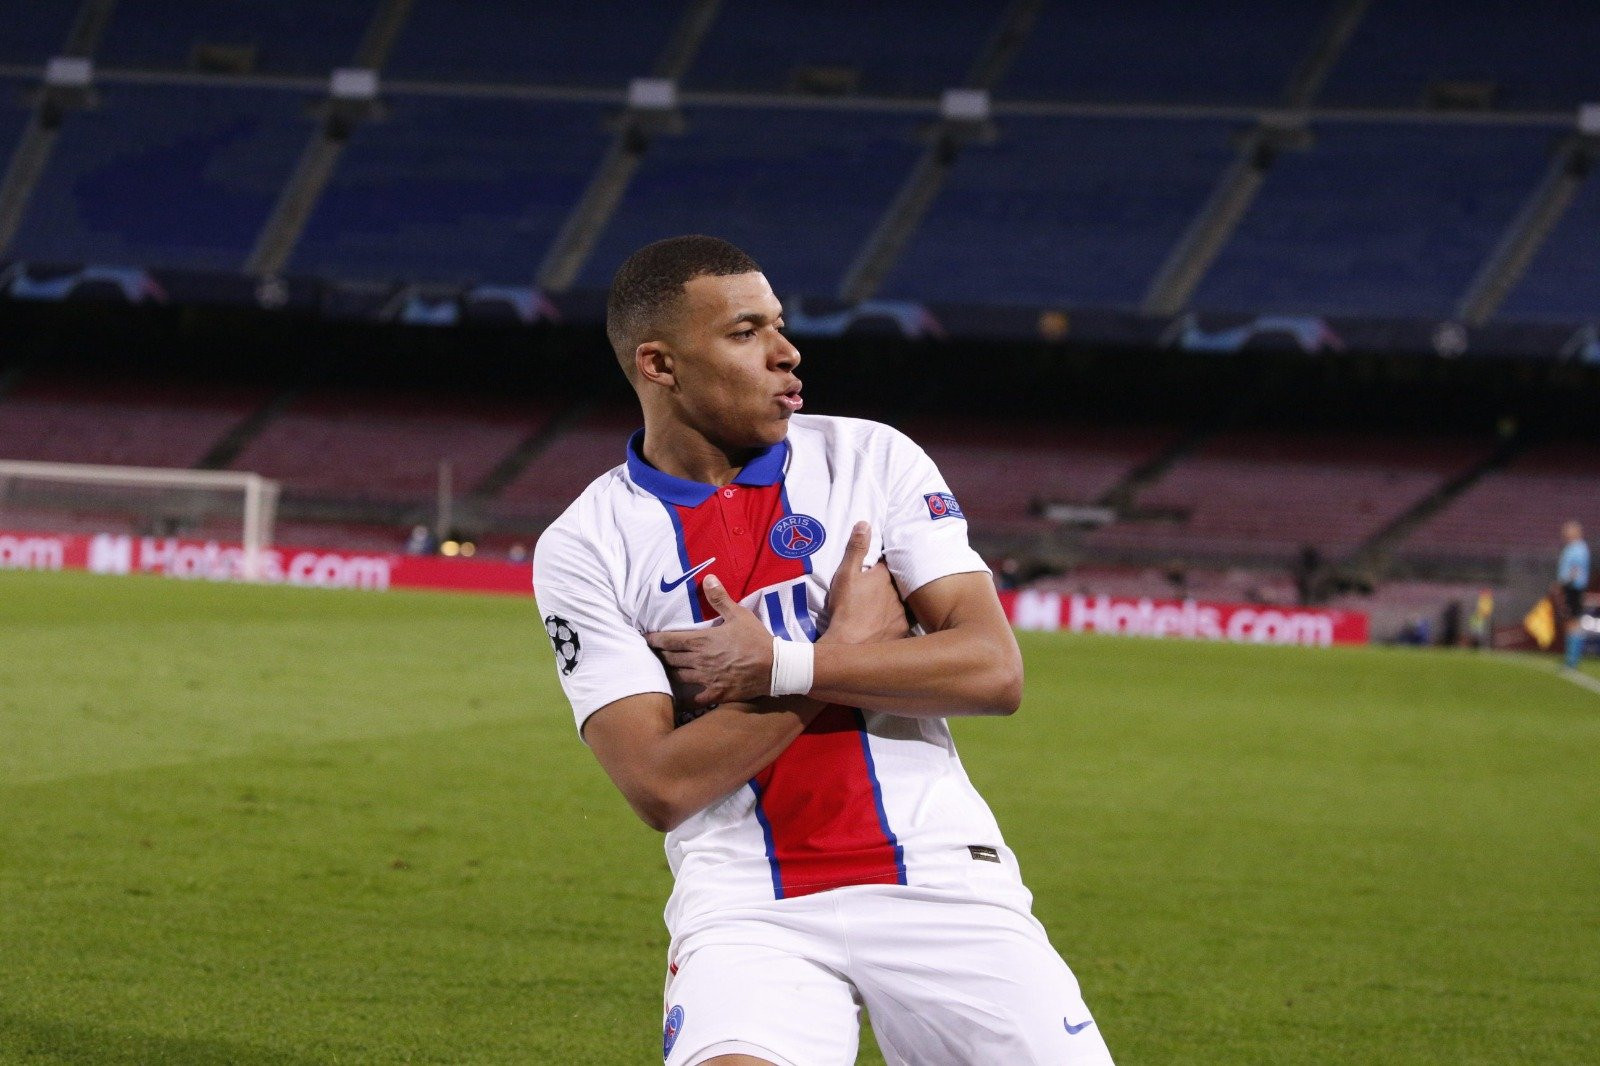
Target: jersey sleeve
[(600, 657), (925, 534)]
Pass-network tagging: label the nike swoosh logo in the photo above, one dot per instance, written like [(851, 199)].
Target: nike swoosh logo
[(1074, 1030), (668, 586)]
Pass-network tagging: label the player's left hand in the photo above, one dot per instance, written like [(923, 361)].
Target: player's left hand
[(729, 662)]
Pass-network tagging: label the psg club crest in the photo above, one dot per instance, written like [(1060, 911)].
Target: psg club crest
[(797, 536), (564, 639), (670, 1031)]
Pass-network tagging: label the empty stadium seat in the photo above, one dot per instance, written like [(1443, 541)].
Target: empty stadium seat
[(164, 176), (453, 190), (1269, 494), (1376, 221), (808, 188), (364, 446), (1170, 51), (1062, 211), (1518, 510)]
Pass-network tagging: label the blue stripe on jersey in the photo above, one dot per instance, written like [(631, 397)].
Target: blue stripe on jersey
[(772, 850), (802, 612), (877, 798), (775, 620), (691, 587)]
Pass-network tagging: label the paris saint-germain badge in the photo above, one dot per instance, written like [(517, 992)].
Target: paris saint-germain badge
[(670, 1031), (797, 536)]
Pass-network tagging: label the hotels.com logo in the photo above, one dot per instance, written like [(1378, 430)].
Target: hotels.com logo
[(210, 561)]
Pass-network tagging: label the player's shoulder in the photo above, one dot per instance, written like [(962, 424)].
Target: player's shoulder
[(839, 432)]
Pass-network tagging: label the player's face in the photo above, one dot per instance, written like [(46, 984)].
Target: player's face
[(734, 369)]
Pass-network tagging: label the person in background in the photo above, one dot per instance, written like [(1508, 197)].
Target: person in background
[(1479, 626), (421, 541), (1572, 573)]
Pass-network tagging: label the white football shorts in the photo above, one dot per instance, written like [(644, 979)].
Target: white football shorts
[(946, 981)]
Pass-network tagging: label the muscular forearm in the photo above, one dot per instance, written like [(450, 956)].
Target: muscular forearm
[(696, 764), (953, 672)]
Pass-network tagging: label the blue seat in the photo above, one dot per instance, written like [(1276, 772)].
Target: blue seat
[(594, 43), (35, 30), (1563, 281), (799, 190), (897, 47), (458, 190), (160, 176), (1241, 52), (1542, 54), (289, 38), (1376, 220), (1062, 211)]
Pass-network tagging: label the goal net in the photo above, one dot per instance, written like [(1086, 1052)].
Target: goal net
[(76, 498)]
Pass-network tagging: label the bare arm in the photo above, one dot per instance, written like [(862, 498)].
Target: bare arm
[(968, 663), (668, 773)]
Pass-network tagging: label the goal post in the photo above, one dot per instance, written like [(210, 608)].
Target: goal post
[(258, 495)]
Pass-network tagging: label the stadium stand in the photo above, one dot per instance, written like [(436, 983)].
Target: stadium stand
[(596, 43), (826, 174), (798, 129), (266, 35), (1518, 509), (1539, 56), (35, 29), (365, 446), (1562, 283), (884, 49), (453, 189), (1168, 51), (1062, 211), (164, 176), (132, 424), (1003, 472), (593, 444), (1266, 494), (1434, 200)]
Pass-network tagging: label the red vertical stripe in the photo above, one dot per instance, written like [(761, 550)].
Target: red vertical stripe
[(818, 800), (819, 803)]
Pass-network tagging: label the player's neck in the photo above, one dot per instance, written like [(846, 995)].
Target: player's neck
[(685, 453)]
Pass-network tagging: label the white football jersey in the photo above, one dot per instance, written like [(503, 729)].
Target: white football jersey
[(857, 799)]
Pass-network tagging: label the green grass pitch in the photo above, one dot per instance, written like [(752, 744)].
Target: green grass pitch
[(263, 825)]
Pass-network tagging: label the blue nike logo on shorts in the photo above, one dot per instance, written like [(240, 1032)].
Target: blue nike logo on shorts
[(1074, 1030), (668, 586)]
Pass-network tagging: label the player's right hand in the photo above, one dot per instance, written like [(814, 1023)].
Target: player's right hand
[(864, 607)]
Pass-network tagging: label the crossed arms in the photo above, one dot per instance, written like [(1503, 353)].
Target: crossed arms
[(967, 663)]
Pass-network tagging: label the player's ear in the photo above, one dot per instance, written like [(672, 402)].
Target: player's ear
[(655, 363)]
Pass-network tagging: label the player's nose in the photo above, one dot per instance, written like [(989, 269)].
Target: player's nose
[(785, 356)]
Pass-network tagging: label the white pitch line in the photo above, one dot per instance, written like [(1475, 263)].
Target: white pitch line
[(1577, 677)]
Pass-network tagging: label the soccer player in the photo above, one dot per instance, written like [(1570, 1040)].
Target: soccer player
[(1573, 575), (740, 665)]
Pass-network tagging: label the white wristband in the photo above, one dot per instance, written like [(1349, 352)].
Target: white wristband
[(793, 664)]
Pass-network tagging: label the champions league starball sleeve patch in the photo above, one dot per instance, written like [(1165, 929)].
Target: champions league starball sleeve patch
[(943, 505), (564, 639)]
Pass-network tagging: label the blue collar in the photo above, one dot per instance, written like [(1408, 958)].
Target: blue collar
[(765, 469)]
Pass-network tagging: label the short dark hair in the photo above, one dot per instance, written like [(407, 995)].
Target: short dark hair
[(650, 282)]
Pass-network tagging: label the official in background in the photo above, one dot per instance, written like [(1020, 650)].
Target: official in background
[(1572, 572)]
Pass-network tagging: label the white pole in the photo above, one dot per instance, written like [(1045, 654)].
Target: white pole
[(252, 529)]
